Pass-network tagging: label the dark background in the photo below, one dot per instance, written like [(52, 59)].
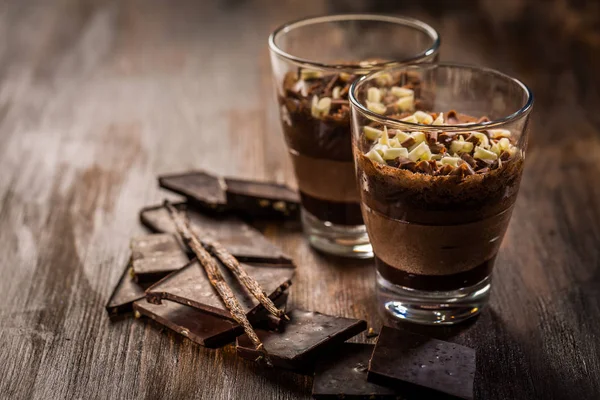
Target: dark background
[(98, 97)]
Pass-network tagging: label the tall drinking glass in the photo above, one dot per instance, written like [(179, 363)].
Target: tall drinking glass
[(439, 152), (314, 63)]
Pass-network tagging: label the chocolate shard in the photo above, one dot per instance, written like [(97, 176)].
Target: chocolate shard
[(203, 328), (155, 256), (303, 338), (343, 374), (423, 366), (190, 286), (262, 199), (200, 327), (253, 198), (240, 239), (125, 293), (200, 188)]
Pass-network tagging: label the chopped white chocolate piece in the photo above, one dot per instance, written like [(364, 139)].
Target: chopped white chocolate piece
[(439, 120), (385, 138), (376, 107), (418, 151), (372, 133), (380, 148), (405, 103), (393, 153), (411, 118), (484, 154), (320, 108), (375, 156), (384, 79), (418, 136), (499, 133), (374, 95), (460, 146), (436, 157), (308, 74), (482, 139), (426, 156), (394, 142), (345, 76), (451, 161), (335, 93), (504, 144), (401, 135), (423, 117), (402, 92)]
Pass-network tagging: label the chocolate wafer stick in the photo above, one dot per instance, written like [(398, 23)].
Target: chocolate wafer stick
[(214, 275), (249, 282)]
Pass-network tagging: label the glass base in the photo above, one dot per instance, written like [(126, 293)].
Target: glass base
[(432, 308), (340, 240)]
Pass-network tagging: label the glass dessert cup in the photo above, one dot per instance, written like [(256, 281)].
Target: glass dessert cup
[(314, 63), (439, 152)]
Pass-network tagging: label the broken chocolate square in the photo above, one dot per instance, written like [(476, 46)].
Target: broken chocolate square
[(343, 374), (303, 337), (243, 241), (190, 286), (253, 198), (203, 328), (422, 365), (155, 256), (126, 292)]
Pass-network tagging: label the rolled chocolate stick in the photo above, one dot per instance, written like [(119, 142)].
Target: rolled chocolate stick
[(215, 277)]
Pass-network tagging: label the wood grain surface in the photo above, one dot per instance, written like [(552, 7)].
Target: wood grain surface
[(99, 97)]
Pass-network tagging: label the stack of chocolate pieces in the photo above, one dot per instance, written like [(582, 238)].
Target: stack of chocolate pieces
[(166, 283)]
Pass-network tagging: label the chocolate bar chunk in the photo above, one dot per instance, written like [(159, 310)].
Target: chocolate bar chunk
[(200, 188), (190, 286), (254, 198), (343, 374), (421, 365), (262, 199), (200, 327), (302, 338), (126, 292), (155, 256), (243, 241), (205, 329)]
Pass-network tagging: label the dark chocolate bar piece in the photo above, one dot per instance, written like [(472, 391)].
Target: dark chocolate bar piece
[(155, 256), (200, 188), (253, 198), (262, 199), (302, 339), (191, 286), (343, 374), (205, 329), (243, 241), (126, 292), (421, 365)]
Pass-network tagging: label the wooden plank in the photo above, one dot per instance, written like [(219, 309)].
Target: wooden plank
[(98, 98)]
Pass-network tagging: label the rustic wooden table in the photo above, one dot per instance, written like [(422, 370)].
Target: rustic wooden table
[(98, 97)]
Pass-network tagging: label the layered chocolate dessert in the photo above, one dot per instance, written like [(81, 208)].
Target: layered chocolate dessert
[(436, 203), (315, 116)]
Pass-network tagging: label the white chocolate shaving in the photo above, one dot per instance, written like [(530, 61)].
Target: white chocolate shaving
[(335, 93), (374, 95), (401, 136), (423, 117), (482, 139), (308, 74), (418, 136), (499, 133), (345, 76), (376, 107), (484, 154), (405, 103), (375, 156), (411, 118), (385, 138), (418, 151), (383, 79), (372, 133), (451, 161), (402, 92), (460, 146), (439, 120), (393, 153), (426, 156), (394, 143), (320, 108)]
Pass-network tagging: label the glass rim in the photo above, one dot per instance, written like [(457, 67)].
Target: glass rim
[(357, 68), (522, 111)]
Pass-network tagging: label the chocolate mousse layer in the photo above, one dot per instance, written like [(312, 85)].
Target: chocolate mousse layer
[(436, 203), (315, 116)]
